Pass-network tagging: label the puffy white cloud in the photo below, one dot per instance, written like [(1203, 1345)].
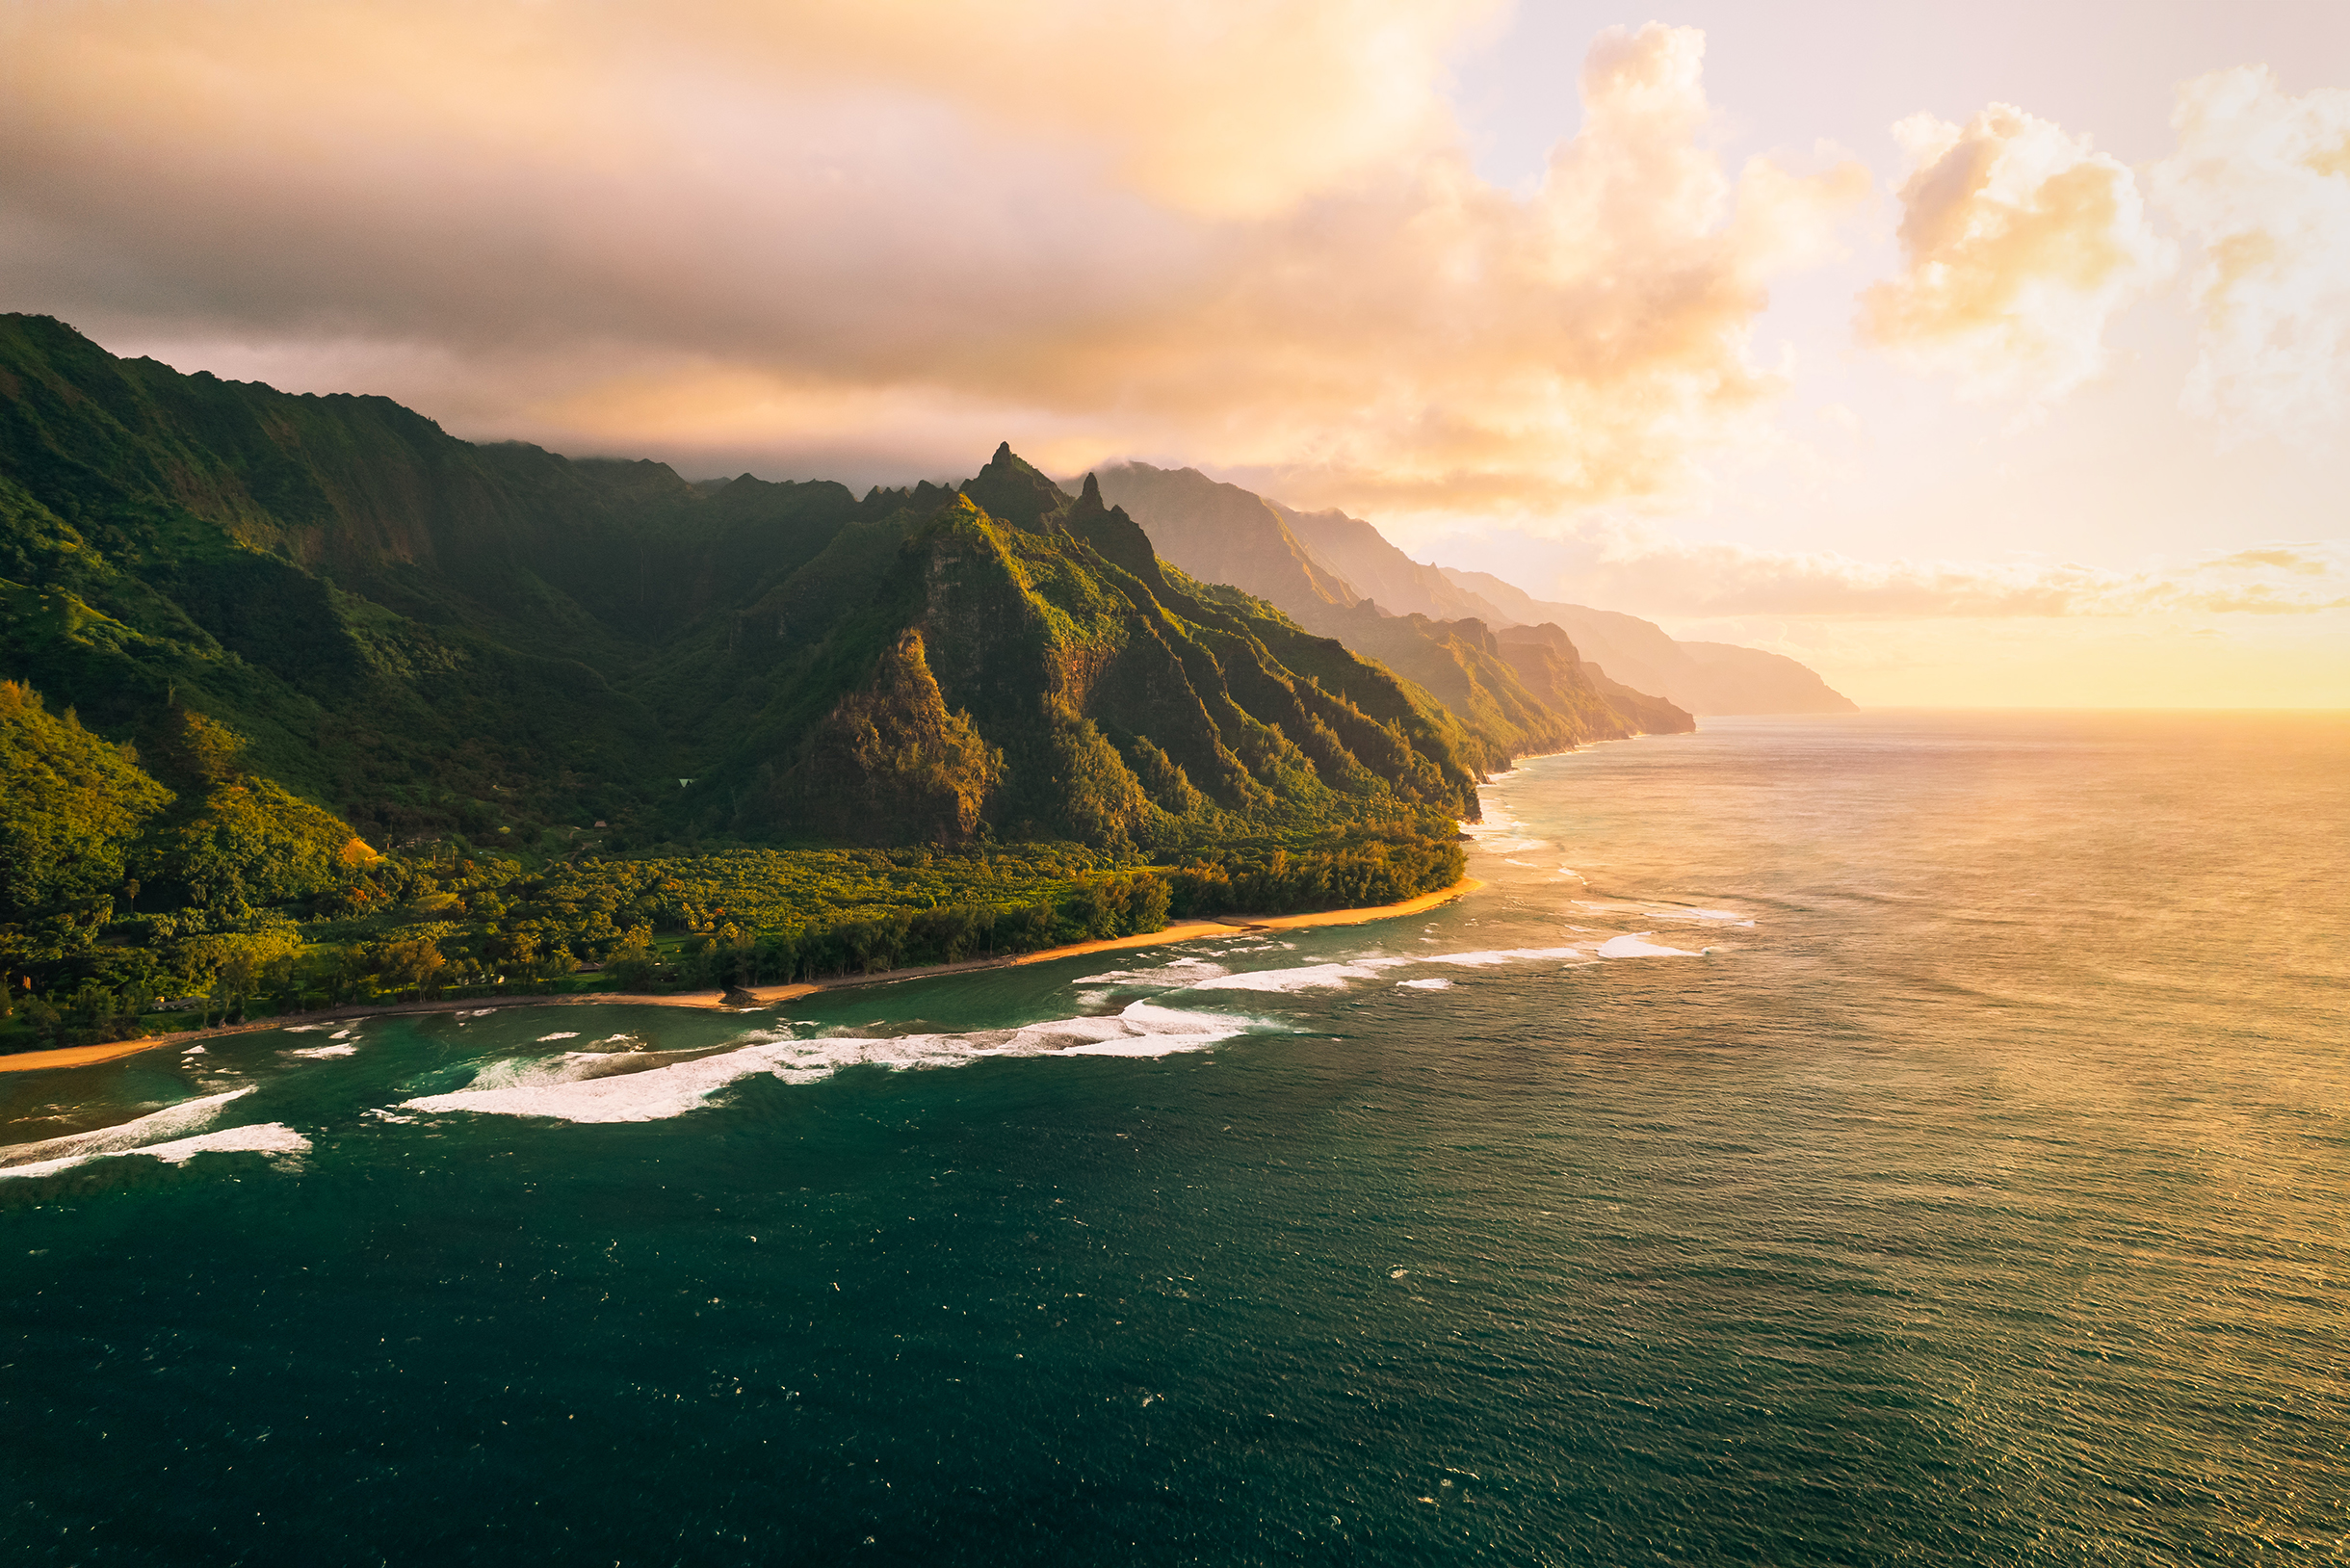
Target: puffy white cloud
[(1239, 234), (2261, 181), (2020, 244)]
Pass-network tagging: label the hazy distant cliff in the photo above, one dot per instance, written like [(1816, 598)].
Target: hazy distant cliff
[(1452, 653), (1703, 677), (1315, 565)]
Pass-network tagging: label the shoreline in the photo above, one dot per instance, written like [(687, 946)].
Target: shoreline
[(758, 996)]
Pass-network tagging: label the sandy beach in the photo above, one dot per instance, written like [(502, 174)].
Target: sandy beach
[(1188, 930)]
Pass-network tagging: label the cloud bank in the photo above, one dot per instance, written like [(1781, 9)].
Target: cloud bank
[(1633, 566), (2020, 243), (1246, 236), (2261, 182)]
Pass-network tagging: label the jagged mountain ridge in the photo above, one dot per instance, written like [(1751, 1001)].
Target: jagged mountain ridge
[(1457, 659), (1636, 656), (418, 631), (1703, 677)]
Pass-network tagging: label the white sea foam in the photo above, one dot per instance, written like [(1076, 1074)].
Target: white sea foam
[(259, 1137), (305, 1029), (151, 1135), (1635, 947), (327, 1051), (1304, 978), (1501, 955), (182, 1118), (1182, 972), (1331, 977), (1425, 986), (572, 1035), (193, 1051), (1711, 917), (583, 1086)]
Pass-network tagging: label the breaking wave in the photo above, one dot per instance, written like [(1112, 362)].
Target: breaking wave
[(149, 1135), (599, 1086), (1637, 945)]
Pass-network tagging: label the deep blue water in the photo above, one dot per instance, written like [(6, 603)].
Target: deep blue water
[(1982, 1201)]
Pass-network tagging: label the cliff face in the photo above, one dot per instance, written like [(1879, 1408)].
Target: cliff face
[(1702, 677), (1029, 679), (1220, 533), (1356, 551), (421, 633), (1410, 618)]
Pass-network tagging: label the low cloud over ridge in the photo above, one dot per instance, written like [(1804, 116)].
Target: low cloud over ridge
[(1246, 236), (1631, 565)]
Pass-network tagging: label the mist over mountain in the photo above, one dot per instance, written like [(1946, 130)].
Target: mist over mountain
[(1652, 682), (1200, 522), (1703, 677)]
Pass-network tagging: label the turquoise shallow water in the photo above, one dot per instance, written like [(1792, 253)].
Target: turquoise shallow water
[(1982, 1201)]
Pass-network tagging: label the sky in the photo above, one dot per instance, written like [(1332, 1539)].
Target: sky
[(1979, 356)]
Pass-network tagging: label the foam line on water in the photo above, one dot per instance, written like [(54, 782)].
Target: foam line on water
[(178, 1119), (583, 1086), (1501, 955), (1334, 976), (1181, 972), (273, 1138), (1636, 946), (1304, 978), (316, 1051)]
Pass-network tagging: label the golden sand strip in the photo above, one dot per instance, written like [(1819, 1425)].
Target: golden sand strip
[(1189, 930)]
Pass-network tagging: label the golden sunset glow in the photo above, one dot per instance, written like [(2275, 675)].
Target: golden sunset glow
[(1982, 399)]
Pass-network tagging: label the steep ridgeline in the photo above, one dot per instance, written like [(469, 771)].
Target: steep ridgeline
[(1013, 655), (1703, 677), (1457, 661), (1220, 533), (419, 634), (1352, 549)]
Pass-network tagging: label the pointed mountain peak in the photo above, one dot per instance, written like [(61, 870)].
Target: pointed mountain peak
[(1012, 491)]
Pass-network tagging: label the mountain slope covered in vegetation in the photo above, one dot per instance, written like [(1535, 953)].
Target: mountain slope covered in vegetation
[(261, 640)]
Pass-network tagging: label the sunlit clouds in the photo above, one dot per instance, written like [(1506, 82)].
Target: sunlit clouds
[(870, 240), (2020, 244), (1613, 560), (2261, 181), (1260, 245)]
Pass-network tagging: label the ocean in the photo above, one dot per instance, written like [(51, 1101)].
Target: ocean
[(1884, 1139)]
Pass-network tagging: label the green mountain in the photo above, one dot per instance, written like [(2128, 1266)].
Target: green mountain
[(425, 635), (254, 641)]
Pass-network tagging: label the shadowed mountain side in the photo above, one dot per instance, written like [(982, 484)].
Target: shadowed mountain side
[(421, 634), (1222, 533), (1703, 677), (1547, 663), (1454, 658), (1353, 550)]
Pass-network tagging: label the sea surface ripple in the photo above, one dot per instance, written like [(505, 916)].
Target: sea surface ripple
[(1894, 1139)]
